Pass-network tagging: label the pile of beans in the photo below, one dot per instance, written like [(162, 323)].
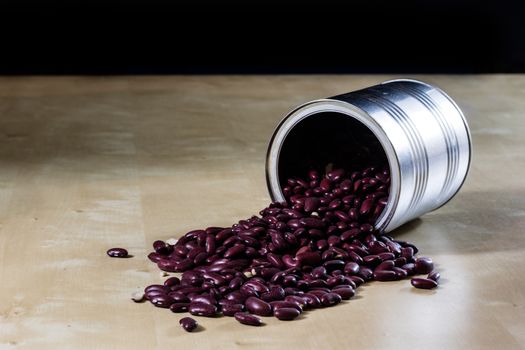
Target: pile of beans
[(312, 251)]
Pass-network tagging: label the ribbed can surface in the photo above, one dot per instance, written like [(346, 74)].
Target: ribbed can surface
[(422, 131)]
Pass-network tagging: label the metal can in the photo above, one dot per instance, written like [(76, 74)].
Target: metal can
[(420, 130)]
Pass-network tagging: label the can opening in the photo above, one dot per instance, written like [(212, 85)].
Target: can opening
[(328, 137)]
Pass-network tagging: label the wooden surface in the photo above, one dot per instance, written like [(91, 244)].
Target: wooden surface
[(91, 163)]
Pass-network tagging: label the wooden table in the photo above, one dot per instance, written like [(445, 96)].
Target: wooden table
[(89, 163)]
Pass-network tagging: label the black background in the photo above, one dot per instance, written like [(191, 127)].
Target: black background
[(161, 37)]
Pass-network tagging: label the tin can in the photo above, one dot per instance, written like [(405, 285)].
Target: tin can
[(419, 130)]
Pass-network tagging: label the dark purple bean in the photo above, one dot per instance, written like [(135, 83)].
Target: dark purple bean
[(188, 323), (424, 265), (179, 297), (372, 260), (286, 304), (410, 268), (344, 293), (385, 265), (117, 253), (163, 301), (325, 185), (247, 319), (179, 307), (400, 272), (312, 223), (154, 257), (377, 247), (232, 309), (296, 299), (423, 283), (258, 306), (311, 300), (156, 287), (386, 256), (357, 280), (309, 258), (351, 268), (234, 251), (400, 262), (385, 275), (366, 206), (434, 275), (286, 313), (365, 273), (331, 299), (335, 280), (202, 309), (319, 272), (207, 299), (335, 175), (335, 264), (407, 252), (210, 244)]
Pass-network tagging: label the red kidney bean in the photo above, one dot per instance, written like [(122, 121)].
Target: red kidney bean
[(385, 265), (232, 309), (247, 319), (117, 253), (179, 297), (385, 275), (286, 313), (344, 293), (357, 280), (387, 256), (309, 258), (157, 287), (434, 275), (179, 307), (424, 265), (163, 301), (188, 323), (399, 262), (410, 268), (312, 223), (311, 300), (423, 283), (331, 299), (285, 304), (295, 299), (207, 299), (372, 260), (258, 306), (407, 252), (154, 257), (400, 273), (202, 309)]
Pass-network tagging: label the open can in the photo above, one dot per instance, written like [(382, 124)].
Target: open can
[(417, 127)]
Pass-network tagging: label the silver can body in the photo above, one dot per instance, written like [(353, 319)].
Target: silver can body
[(422, 131)]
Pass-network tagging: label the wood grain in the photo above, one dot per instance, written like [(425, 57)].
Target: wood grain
[(89, 163)]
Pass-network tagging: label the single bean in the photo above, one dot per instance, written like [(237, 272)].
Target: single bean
[(330, 299), (247, 319), (423, 283), (202, 309), (424, 265), (286, 313), (188, 323), (258, 306), (117, 253)]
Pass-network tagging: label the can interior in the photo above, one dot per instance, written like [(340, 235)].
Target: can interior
[(328, 137)]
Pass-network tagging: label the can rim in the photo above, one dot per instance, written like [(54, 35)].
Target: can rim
[(331, 105), (465, 125)]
